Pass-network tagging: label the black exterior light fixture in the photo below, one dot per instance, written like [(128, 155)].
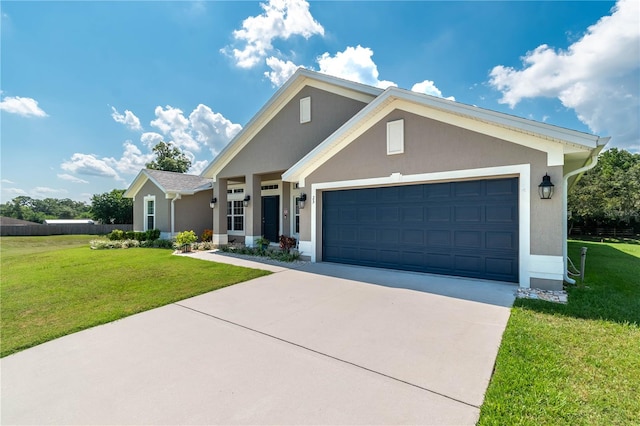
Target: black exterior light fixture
[(545, 189), (302, 200), (246, 200), (213, 202)]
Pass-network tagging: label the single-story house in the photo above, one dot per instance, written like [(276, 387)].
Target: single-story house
[(397, 179), (171, 202)]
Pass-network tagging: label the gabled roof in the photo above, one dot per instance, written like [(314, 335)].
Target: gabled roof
[(557, 142), (169, 182), (301, 78)]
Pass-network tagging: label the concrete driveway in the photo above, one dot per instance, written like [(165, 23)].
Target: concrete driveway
[(318, 344)]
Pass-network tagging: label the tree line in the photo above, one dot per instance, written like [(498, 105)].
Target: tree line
[(609, 194)]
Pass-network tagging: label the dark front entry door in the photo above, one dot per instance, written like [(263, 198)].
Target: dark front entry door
[(270, 222)]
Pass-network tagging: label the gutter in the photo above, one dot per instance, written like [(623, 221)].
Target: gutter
[(591, 165), (173, 213)]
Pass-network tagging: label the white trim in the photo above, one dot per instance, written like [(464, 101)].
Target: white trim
[(145, 217), (522, 171), (305, 110), (547, 267), (395, 137), (552, 140), (219, 239), (305, 247)]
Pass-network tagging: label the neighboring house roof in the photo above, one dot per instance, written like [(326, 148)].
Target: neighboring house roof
[(69, 222), (561, 145), (300, 79), (10, 221), (169, 182)]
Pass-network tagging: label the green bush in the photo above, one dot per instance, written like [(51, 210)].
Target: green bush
[(116, 235), (186, 237), (159, 243), (152, 234)]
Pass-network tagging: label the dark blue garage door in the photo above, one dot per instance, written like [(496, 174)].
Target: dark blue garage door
[(465, 228)]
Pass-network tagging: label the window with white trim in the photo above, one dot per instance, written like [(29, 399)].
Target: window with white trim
[(305, 110), (296, 217), (395, 137), (149, 212), (235, 215)]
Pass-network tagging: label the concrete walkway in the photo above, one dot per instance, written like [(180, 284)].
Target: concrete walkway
[(311, 344)]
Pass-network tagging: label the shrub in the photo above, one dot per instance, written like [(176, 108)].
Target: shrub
[(186, 237), (159, 243), (287, 243), (116, 234), (152, 234), (115, 244), (207, 235)]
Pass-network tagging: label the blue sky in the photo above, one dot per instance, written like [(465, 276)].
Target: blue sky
[(88, 88)]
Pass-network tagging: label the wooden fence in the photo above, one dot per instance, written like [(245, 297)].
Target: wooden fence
[(43, 230)]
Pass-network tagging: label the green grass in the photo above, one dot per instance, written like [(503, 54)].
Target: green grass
[(579, 363), (53, 286)]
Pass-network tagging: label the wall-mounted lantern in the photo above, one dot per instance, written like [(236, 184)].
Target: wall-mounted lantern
[(545, 189), (213, 202), (302, 200), (246, 200)]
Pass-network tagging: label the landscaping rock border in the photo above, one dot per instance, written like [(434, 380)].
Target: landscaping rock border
[(547, 295)]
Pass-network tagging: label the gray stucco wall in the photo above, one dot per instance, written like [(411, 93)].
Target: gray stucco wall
[(193, 213), (284, 140), (162, 208), (432, 146)]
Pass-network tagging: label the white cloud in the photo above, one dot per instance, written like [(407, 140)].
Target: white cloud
[(280, 70), (25, 107), (89, 164), (353, 64), (43, 191), (6, 181), (281, 19), (198, 167), (151, 139), (71, 178), (429, 88), (132, 160), (203, 127), (14, 192), (129, 119), (598, 76)]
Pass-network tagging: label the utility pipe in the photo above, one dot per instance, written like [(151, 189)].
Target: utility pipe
[(173, 213), (565, 248)]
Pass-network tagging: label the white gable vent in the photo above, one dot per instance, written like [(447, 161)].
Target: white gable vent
[(395, 137), (305, 110)]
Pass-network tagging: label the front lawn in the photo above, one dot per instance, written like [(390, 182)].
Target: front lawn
[(579, 363), (53, 286)]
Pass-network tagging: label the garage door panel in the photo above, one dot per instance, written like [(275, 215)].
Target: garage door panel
[(501, 240), (501, 214), (468, 239), (467, 213), (459, 228), (438, 213), (439, 238)]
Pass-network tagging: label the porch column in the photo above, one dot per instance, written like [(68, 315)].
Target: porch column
[(253, 212), (220, 236)]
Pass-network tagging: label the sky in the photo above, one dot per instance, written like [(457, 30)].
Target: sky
[(88, 88)]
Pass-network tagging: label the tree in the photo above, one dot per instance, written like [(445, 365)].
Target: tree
[(111, 207), (34, 210), (610, 192), (169, 158)]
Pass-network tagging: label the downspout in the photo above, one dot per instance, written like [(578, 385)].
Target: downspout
[(173, 213), (565, 248)]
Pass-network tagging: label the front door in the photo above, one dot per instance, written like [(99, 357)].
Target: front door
[(270, 220)]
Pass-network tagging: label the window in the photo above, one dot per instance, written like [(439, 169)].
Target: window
[(305, 110), (395, 137), (296, 217), (267, 187), (235, 216), (149, 212)]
